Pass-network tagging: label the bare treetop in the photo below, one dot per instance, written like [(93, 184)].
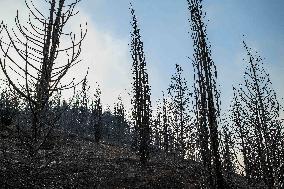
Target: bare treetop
[(38, 45)]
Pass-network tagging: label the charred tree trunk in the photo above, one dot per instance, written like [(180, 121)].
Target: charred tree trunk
[(141, 100), (179, 108), (38, 48), (259, 101), (207, 98)]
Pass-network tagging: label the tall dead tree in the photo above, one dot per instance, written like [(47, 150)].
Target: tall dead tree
[(38, 45), (206, 97), (141, 89), (265, 128), (179, 107)]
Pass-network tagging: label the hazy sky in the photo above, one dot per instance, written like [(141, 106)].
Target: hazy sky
[(164, 27)]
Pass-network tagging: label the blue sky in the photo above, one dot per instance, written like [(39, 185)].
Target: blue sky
[(164, 27)]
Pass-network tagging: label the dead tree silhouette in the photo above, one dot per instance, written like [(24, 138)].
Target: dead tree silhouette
[(38, 45), (227, 152), (206, 97), (179, 107), (121, 129), (239, 119), (141, 100), (96, 115), (264, 128)]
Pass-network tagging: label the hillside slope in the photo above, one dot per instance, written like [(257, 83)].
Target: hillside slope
[(81, 163)]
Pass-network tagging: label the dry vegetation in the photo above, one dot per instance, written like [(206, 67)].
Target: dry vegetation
[(81, 163)]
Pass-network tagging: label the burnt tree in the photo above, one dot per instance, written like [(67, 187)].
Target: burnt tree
[(121, 129), (206, 97), (96, 115), (141, 101), (240, 119), (179, 108), (84, 105), (165, 125), (156, 128), (228, 153), (264, 127), (38, 46)]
